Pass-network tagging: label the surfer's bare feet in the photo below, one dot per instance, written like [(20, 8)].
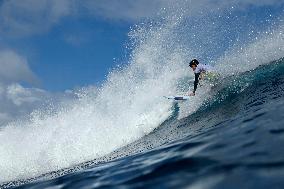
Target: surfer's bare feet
[(192, 94)]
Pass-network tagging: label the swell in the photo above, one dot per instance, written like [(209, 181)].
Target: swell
[(240, 98)]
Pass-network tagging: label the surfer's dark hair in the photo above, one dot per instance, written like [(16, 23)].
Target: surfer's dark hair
[(193, 62)]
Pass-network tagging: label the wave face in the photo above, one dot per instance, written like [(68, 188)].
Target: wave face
[(229, 138), (127, 116)]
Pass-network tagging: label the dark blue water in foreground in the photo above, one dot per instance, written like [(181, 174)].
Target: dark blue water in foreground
[(236, 140)]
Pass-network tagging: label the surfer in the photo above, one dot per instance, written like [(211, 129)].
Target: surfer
[(200, 71)]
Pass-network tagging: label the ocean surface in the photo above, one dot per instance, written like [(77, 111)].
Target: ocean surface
[(234, 140), (124, 134)]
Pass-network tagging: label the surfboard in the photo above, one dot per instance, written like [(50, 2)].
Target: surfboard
[(177, 97)]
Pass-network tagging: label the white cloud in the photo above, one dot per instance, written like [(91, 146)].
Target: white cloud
[(19, 95), (16, 100), (28, 17), (129, 10), (15, 68), (31, 16)]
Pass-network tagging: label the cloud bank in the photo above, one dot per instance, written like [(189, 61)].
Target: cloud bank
[(27, 17), (18, 101), (14, 68), (15, 100), (31, 16)]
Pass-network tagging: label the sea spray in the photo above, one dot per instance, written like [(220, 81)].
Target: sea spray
[(128, 106)]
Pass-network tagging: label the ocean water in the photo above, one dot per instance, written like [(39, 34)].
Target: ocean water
[(124, 134), (236, 142)]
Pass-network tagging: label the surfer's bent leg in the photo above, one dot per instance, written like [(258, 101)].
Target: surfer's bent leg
[(196, 81)]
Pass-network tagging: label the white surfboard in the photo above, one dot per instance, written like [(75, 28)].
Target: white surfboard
[(180, 97)]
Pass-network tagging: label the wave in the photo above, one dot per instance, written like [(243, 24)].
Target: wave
[(229, 126), (234, 97), (128, 106)]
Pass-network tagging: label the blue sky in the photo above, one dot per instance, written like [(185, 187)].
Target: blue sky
[(78, 53), (68, 44), (73, 53)]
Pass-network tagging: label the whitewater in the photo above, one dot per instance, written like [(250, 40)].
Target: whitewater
[(127, 117)]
